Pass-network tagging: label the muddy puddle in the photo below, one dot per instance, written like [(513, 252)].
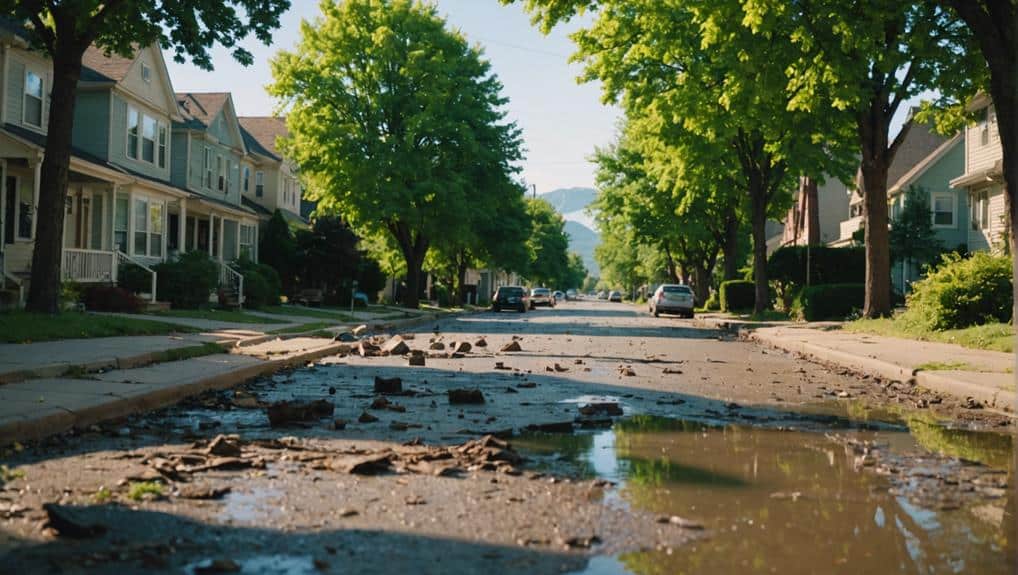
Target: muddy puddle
[(773, 501)]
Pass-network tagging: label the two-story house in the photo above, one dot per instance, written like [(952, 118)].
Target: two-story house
[(983, 180), (208, 161), (269, 181)]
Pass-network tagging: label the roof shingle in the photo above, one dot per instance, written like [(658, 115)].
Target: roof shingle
[(261, 132)]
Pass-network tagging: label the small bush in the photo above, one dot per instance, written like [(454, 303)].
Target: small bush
[(962, 292), (829, 301), (786, 268), (134, 278), (262, 286), (111, 298), (713, 302), (737, 295), (188, 281)]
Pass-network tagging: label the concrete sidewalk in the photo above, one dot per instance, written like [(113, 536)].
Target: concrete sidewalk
[(986, 376)]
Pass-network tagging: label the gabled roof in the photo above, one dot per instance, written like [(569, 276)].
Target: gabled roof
[(919, 143), (105, 67), (200, 108), (923, 165), (260, 133)]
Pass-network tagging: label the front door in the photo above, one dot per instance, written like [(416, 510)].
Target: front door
[(203, 235), (10, 208)]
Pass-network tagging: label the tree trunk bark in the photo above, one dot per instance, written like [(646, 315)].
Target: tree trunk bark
[(701, 284), (730, 248), (812, 216), (413, 254), (44, 291), (758, 202), (461, 279), (875, 162)]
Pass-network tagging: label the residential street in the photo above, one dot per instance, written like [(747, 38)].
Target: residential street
[(635, 445)]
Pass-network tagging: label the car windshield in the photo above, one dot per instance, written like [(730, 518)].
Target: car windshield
[(540, 291), (510, 291), (677, 289)]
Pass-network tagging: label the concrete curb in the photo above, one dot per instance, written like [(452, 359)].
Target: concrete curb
[(376, 325), (54, 423), (880, 368)]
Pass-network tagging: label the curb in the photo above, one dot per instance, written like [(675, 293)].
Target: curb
[(55, 423)]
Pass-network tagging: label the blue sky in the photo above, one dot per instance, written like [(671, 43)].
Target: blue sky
[(562, 121)]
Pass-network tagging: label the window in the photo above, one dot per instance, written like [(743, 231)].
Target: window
[(132, 133), (120, 224), (148, 228), (229, 174), (979, 210), (247, 234), (148, 139), (162, 146), (207, 166), (259, 184), (26, 210), (146, 73), (34, 90), (221, 180), (943, 210), (246, 185), (19, 210)]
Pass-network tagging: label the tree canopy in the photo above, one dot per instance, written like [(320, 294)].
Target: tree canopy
[(394, 118)]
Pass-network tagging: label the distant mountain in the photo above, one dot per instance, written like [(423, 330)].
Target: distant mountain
[(572, 203)]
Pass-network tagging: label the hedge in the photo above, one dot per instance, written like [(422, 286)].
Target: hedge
[(963, 292), (262, 286), (134, 278), (188, 281), (737, 295), (112, 299), (829, 301)]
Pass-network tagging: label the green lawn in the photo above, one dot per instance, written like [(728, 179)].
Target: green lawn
[(318, 313), (232, 316), (25, 327), (992, 337)]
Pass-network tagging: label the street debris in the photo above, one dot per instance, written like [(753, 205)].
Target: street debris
[(388, 386), (468, 396), (460, 347), (395, 346), (368, 349), (366, 417), (627, 371), (601, 408), (69, 522), (437, 346), (511, 347), (284, 413), (481, 342)]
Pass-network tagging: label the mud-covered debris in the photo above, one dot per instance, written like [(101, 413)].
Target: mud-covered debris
[(601, 408), (415, 500), (245, 400), (511, 347), (224, 445), (670, 401), (383, 403), (213, 566), (338, 424), (71, 522), (284, 413), (577, 361), (511, 389), (460, 347), (437, 346), (468, 396), (488, 449), (680, 522), (388, 385), (559, 368), (581, 542), (501, 365), (627, 371), (481, 342), (360, 329), (368, 349), (395, 346), (972, 403), (526, 385), (347, 512), (366, 417), (345, 337), (554, 427), (671, 371), (417, 360), (594, 422), (371, 464), (201, 491)]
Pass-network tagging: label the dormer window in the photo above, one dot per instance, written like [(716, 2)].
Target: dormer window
[(34, 90), (146, 73)]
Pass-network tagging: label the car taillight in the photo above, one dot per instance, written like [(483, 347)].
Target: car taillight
[(661, 296)]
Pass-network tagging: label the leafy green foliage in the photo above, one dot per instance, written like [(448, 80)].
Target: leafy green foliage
[(262, 286), (396, 122), (962, 292), (140, 490), (548, 244), (787, 268), (188, 281), (829, 301), (277, 247), (737, 295), (112, 299), (134, 278), (912, 236)]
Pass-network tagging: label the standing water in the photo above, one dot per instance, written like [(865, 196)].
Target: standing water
[(774, 501)]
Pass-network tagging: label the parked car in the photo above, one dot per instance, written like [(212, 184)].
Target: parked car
[(602, 295), (672, 298), (541, 296), (559, 296), (511, 297), (615, 297), (572, 295)]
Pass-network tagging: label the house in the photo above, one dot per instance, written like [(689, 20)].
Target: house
[(829, 210), (948, 204), (270, 181), (152, 173), (982, 179), (919, 143)]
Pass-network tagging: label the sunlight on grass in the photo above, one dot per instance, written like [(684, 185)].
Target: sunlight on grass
[(27, 327), (991, 337)]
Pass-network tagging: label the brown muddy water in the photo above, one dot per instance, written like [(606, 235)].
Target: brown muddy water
[(789, 502)]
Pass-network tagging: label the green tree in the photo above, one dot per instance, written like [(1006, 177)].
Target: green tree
[(865, 59), (390, 114), (63, 30), (548, 243), (576, 272), (708, 77), (912, 237), (277, 248)]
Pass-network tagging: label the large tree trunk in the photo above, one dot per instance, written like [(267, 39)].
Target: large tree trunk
[(44, 292), (730, 247), (461, 279), (875, 160), (414, 248), (811, 195), (758, 202)]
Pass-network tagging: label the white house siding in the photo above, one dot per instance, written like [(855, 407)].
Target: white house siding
[(980, 156), (991, 238)]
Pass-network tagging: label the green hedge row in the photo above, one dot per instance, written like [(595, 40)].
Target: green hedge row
[(963, 292), (829, 301), (737, 295), (826, 265)]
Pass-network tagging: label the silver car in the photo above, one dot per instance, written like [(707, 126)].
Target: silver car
[(541, 296), (672, 298)]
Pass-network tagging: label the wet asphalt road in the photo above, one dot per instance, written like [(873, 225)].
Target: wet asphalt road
[(290, 508)]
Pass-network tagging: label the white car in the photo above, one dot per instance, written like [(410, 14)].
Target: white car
[(672, 298)]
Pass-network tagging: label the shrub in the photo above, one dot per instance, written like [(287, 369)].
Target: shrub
[(134, 279), (829, 301), (261, 284), (188, 281), (111, 298), (787, 268), (962, 292), (713, 302), (737, 295)]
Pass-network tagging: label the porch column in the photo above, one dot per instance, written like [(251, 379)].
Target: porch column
[(182, 227), (37, 175), (3, 207), (212, 220), (129, 248), (222, 238), (254, 244), (236, 239), (113, 218)]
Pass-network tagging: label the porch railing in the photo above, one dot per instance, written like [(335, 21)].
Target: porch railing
[(122, 258), (89, 266), (230, 278)]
